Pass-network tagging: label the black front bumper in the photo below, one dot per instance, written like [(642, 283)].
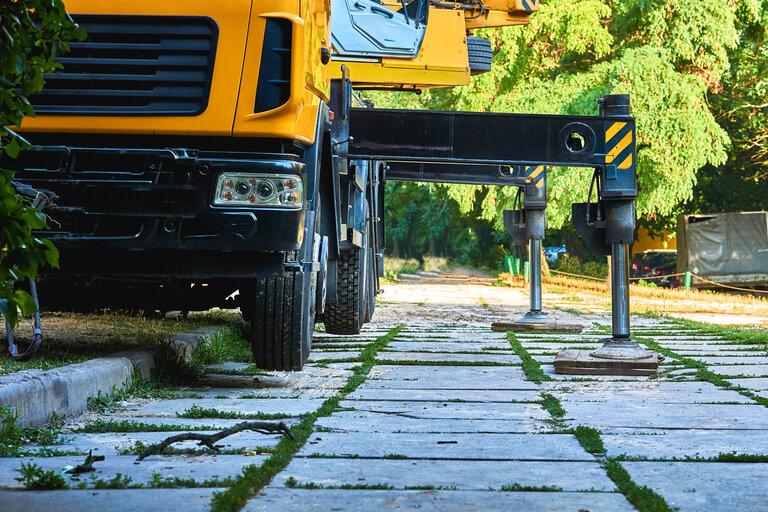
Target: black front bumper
[(148, 212)]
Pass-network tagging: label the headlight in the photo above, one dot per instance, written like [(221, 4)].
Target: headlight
[(259, 190)]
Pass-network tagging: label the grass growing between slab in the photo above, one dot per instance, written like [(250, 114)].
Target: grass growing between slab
[(732, 334), (643, 498), (733, 457), (197, 412), (101, 426), (552, 405), (530, 488), (589, 439), (531, 366), (255, 477), (13, 437), (702, 371)]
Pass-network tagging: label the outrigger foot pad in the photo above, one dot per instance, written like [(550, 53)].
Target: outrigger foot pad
[(536, 321), (615, 357)]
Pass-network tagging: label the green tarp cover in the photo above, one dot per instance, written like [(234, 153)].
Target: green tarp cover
[(726, 244)]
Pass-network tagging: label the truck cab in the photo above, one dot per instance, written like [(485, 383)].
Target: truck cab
[(197, 154)]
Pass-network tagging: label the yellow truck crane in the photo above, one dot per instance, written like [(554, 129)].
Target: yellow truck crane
[(207, 154)]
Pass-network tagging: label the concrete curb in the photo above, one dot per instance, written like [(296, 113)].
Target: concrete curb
[(36, 394)]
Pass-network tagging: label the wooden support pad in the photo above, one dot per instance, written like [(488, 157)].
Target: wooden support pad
[(535, 326), (580, 362)]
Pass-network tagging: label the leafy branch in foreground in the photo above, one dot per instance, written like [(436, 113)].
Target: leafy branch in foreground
[(32, 34)]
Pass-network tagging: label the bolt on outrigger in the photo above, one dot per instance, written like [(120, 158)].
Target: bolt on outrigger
[(463, 147)]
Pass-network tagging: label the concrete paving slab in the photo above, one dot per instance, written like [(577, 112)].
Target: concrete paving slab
[(429, 501), (732, 360), (459, 377), (485, 474), (111, 443), (355, 421), (719, 351), (447, 446), (290, 406), (332, 356), (208, 423), (756, 370), (557, 347), (199, 468), (450, 410), (507, 358), (268, 393), (441, 395), (447, 346), (114, 500), (677, 444), (626, 414), (714, 487), (650, 391), (756, 384)]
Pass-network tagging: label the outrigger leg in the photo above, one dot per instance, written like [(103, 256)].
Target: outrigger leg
[(526, 224)]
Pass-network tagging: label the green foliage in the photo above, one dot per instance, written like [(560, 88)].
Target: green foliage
[(224, 345), (643, 498), (119, 481), (32, 34), (13, 436), (33, 477), (696, 70), (589, 439)]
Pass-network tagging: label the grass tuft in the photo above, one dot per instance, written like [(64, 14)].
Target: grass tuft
[(530, 488), (552, 405), (589, 439), (197, 412), (531, 367), (643, 498)]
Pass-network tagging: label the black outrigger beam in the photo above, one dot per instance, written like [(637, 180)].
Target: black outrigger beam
[(485, 148)]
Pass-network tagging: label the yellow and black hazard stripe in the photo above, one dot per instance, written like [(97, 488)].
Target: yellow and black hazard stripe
[(533, 175), (620, 145), (529, 5)]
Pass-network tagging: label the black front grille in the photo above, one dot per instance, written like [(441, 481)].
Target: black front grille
[(134, 65)]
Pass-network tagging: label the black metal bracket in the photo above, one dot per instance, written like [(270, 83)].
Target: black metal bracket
[(492, 148)]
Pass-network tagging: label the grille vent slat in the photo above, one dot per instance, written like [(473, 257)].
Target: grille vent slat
[(134, 65)]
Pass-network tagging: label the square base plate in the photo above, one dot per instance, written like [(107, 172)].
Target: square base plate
[(580, 362), (535, 326)]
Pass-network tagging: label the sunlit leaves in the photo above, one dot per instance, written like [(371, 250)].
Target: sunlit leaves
[(32, 32)]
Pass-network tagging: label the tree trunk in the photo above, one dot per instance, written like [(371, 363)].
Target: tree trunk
[(395, 248)]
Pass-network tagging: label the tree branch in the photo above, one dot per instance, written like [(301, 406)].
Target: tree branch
[(209, 440)]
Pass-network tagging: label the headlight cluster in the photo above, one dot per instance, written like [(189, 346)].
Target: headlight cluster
[(259, 190)]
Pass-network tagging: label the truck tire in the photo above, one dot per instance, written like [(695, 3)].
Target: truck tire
[(480, 55), (281, 313), (277, 317), (346, 314)]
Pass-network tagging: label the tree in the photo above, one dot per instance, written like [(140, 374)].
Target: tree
[(695, 69), (32, 34), (741, 107)]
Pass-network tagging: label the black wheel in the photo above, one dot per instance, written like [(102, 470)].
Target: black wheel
[(281, 311), (480, 55), (346, 314), (350, 310)]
